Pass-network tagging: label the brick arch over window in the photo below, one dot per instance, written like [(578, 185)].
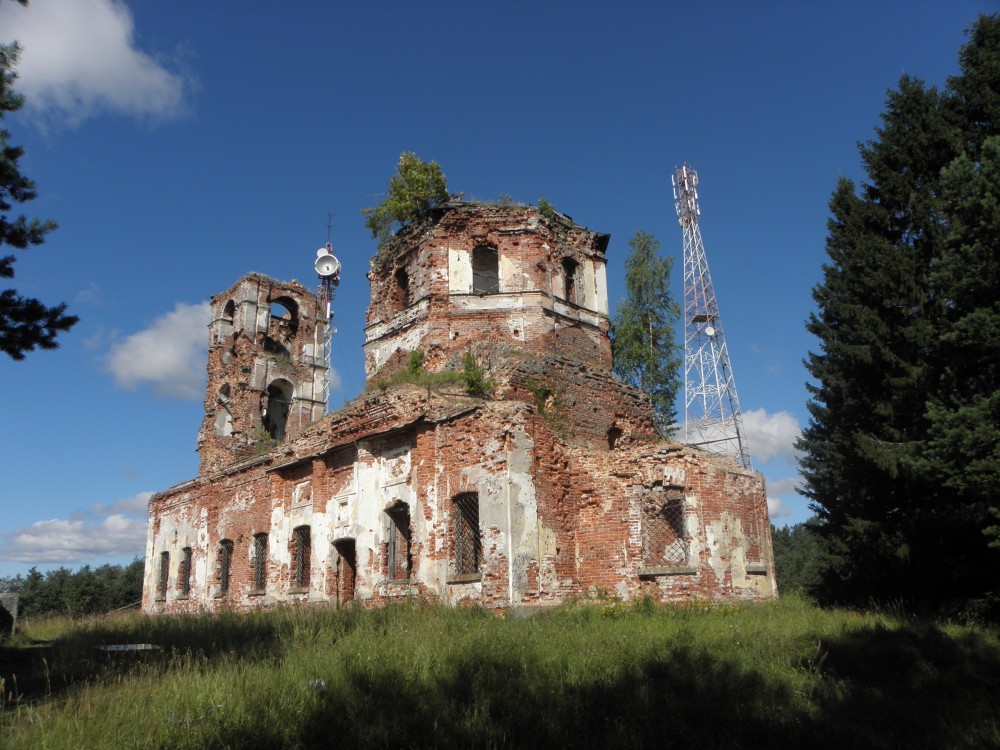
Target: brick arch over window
[(485, 270)]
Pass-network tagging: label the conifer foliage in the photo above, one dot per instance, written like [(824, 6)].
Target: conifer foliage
[(903, 444), (25, 323)]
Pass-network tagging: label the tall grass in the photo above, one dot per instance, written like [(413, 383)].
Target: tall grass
[(785, 674)]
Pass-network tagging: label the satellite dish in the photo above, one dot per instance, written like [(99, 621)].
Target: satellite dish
[(326, 265), (709, 331)]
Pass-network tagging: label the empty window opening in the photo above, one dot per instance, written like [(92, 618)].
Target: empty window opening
[(485, 270), (664, 534), (570, 268), (275, 413), (273, 346), (614, 435), (225, 565), (346, 571), (260, 561), (468, 540), (229, 311), (400, 557), (402, 296), (184, 572), (285, 314), (164, 573), (301, 557)]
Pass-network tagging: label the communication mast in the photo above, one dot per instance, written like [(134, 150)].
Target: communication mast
[(712, 417), (328, 270)]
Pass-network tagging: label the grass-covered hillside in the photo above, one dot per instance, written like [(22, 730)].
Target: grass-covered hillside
[(779, 675)]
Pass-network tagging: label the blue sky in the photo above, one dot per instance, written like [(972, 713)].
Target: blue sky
[(181, 145)]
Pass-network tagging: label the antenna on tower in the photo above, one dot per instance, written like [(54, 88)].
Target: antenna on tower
[(712, 416), (328, 270)]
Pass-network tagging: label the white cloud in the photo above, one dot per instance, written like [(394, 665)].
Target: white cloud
[(786, 486), (79, 58), (170, 354), (775, 508), (100, 532), (771, 435)]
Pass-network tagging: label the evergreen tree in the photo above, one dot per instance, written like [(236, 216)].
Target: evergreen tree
[(25, 323), (891, 437), (643, 343)]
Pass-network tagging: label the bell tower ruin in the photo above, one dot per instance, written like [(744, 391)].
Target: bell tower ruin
[(266, 368)]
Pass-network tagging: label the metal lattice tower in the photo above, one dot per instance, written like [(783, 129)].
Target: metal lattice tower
[(712, 417)]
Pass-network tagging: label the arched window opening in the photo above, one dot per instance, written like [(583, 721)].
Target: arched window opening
[(468, 539), (346, 571), (284, 319), (570, 268), (485, 270), (399, 552), (229, 311), (275, 413)]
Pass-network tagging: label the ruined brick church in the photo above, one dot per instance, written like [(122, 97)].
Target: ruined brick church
[(528, 477)]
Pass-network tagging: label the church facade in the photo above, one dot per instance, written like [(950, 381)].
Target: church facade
[(509, 468)]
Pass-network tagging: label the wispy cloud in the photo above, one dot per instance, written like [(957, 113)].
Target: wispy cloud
[(771, 435), (80, 59), (89, 295), (170, 354), (101, 531)]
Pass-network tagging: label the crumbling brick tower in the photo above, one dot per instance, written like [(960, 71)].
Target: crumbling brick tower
[(266, 368)]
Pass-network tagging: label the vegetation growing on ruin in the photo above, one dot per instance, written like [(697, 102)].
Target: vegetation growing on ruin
[(415, 189), (602, 673)]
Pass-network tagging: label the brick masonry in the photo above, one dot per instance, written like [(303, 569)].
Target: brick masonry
[(563, 459)]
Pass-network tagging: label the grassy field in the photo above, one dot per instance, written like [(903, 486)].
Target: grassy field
[(779, 675)]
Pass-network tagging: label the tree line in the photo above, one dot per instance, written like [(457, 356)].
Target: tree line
[(86, 591)]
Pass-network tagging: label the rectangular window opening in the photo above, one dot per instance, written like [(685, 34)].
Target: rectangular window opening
[(400, 554), (260, 561), (225, 564), (468, 540), (164, 573), (301, 557), (184, 572), (664, 533)]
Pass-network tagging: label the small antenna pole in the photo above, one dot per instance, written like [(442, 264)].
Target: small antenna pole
[(328, 271)]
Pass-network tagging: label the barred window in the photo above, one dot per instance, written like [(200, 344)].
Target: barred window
[(468, 540), (664, 533), (184, 572), (400, 558), (260, 561), (225, 563), (301, 543), (485, 270), (164, 572)]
